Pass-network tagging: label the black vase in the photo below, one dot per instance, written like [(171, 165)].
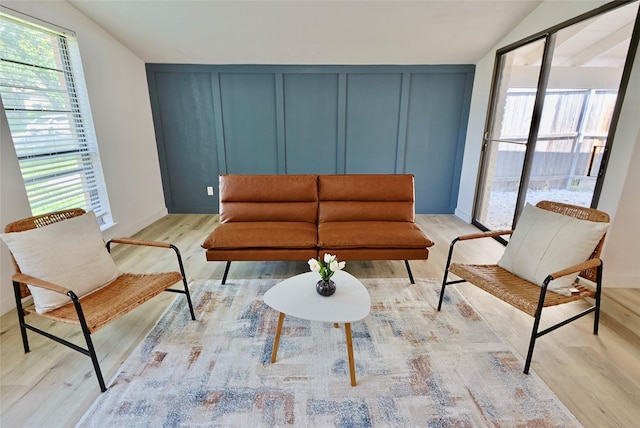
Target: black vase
[(326, 287)]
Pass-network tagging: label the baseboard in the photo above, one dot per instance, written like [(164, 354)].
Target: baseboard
[(613, 281), (463, 215), (623, 313), (138, 226)]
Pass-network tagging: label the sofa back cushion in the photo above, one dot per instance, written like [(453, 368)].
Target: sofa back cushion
[(366, 197), (258, 198)]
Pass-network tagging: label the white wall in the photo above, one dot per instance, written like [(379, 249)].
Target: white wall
[(620, 193), (117, 87), (619, 196)]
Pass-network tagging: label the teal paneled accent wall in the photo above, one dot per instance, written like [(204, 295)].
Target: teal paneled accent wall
[(436, 119), (372, 122), (183, 117), (248, 119), (249, 123), (311, 123)]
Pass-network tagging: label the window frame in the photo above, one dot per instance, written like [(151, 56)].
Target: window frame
[(59, 162)]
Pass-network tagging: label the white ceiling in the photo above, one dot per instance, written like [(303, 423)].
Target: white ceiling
[(307, 31), (602, 41)]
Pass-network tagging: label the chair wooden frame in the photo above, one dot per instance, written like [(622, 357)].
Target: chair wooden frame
[(99, 308), (529, 297)]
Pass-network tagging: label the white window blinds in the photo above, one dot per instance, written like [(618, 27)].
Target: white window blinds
[(44, 96)]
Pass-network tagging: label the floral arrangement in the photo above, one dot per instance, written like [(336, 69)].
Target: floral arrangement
[(326, 267)]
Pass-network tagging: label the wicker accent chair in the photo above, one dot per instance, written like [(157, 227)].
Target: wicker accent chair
[(99, 308), (527, 296)]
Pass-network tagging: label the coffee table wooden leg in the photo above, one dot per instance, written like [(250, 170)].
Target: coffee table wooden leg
[(352, 367), (276, 341)]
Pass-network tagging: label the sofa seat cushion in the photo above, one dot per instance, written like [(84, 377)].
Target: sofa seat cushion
[(263, 235), (371, 234)]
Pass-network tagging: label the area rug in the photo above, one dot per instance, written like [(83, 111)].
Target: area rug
[(415, 367)]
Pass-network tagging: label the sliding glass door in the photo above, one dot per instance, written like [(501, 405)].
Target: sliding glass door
[(507, 133), (554, 100)]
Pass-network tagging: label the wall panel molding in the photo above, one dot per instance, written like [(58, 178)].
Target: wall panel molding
[(289, 119)]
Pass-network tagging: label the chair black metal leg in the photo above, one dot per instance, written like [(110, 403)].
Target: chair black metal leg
[(94, 360), (90, 351), (226, 272), (406, 263), (535, 333), (536, 324), (188, 296), (23, 329), (446, 273), (532, 343), (598, 299), (184, 281), (444, 285)]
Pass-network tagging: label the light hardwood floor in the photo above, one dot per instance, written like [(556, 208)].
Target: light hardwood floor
[(596, 377)]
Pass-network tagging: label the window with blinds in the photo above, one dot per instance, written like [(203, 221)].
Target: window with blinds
[(44, 96)]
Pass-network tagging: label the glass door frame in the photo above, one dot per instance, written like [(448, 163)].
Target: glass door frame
[(549, 36)]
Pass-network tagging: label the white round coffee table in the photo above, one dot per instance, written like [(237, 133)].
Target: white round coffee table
[(297, 297)]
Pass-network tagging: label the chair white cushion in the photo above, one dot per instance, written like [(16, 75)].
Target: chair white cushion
[(545, 242), (70, 253)]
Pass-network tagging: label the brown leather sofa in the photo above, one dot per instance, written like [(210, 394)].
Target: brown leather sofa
[(298, 217)]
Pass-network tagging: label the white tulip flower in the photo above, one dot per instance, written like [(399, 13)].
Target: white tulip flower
[(326, 266), (314, 265)]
